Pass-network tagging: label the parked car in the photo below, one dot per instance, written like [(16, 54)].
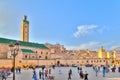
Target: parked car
[(62, 65), (31, 67), (88, 65), (74, 65), (42, 66)]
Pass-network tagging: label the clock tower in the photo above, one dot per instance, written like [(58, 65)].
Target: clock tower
[(24, 29)]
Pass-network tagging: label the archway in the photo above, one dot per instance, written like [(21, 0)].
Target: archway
[(46, 57), (58, 63)]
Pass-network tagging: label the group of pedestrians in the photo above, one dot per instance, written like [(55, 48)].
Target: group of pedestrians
[(18, 70), (97, 69), (83, 75), (104, 69), (4, 75), (44, 74), (5, 72)]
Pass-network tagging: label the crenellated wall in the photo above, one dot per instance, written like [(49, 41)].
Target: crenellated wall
[(28, 62)]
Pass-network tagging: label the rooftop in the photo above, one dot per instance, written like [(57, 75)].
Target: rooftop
[(22, 43), (27, 51)]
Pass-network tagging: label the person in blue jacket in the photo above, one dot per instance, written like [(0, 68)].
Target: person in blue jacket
[(103, 71), (96, 70), (34, 76)]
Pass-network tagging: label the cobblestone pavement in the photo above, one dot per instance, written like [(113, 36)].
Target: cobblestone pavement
[(27, 74)]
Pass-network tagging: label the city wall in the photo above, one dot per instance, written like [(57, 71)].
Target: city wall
[(25, 62)]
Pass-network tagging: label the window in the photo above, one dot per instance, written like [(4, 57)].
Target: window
[(97, 61), (91, 61), (104, 60), (32, 56), (26, 29), (36, 51), (87, 61), (41, 52), (46, 57), (47, 53), (20, 61), (39, 56), (25, 56)]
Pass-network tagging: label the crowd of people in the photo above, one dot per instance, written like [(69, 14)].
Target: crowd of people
[(5, 72), (83, 75), (105, 69), (45, 72)]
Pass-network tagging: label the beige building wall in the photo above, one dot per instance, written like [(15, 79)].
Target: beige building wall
[(3, 50), (40, 57), (28, 62), (57, 48), (7, 58), (39, 53)]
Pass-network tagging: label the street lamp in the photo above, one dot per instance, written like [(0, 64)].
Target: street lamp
[(14, 48)]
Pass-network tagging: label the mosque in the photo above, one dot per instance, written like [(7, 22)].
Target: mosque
[(31, 53)]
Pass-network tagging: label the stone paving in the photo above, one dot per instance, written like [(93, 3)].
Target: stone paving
[(27, 74)]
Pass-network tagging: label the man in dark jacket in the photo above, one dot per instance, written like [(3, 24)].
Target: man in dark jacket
[(86, 76), (69, 74)]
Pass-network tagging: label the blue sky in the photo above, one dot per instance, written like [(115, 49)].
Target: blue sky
[(76, 24)]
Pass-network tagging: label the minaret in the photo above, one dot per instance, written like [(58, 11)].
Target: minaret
[(108, 55), (24, 29), (100, 52)]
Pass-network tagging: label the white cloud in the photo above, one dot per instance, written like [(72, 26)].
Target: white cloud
[(84, 29), (115, 46), (90, 45)]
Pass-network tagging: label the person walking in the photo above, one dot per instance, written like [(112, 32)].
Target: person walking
[(34, 76), (86, 76), (78, 69), (46, 74), (114, 68), (119, 69), (40, 74), (96, 70), (81, 74), (4, 75), (103, 71), (12, 69), (17, 70), (69, 74), (49, 71), (60, 71)]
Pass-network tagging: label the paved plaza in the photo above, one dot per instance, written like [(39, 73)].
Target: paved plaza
[(27, 74)]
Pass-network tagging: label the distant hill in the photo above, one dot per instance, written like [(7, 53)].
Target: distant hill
[(117, 49)]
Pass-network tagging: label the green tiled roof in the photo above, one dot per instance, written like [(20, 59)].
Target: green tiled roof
[(26, 21), (27, 50), (22, 43)]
